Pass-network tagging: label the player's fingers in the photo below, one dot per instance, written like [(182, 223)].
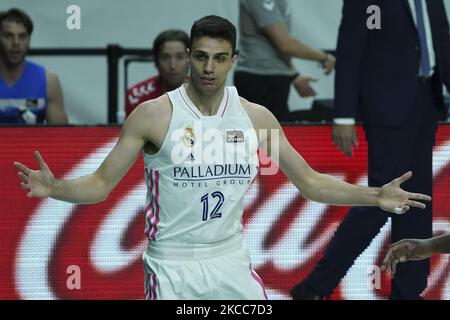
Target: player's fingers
[(22, 176), (40, 160), (387, 267), (23, 168), (384, 265), (25, 186), (404, 177), (386, 259), (394, 265), (416, 204), (419, 196)]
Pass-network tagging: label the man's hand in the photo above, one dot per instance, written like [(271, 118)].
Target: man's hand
[(404, 250), (39, 182), (329, 63), (345, 137), (395, 200), (303, 86)]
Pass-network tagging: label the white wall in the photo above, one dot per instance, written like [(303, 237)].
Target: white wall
[(135, 23)]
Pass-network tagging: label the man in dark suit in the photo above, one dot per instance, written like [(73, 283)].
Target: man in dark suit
[(392, 79)]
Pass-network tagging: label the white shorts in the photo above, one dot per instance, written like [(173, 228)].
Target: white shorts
[(219, 271)]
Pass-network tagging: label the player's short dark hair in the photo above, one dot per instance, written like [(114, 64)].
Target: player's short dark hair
[(169, 35), (214, 27), (18, 16)]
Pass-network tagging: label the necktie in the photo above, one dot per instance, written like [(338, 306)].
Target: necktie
[(424, 57)]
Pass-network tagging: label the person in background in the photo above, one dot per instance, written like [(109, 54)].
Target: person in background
[(392, 77), (264, 71), (170, 53), (29, 93)]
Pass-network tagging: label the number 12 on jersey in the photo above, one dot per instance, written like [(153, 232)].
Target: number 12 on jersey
[(215, 212)]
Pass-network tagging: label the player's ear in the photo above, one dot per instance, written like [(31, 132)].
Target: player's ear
[(235, 56)]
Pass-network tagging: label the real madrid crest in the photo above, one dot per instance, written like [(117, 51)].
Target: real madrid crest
[(188, 137)]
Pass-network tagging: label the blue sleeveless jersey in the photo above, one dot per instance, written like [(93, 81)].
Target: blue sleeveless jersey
[(25, 102)]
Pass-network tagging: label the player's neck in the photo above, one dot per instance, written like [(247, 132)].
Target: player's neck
[(11, 73), (208, 105), (166, 87)]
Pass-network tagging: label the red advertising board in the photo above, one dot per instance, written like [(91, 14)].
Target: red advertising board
[(44, 241)]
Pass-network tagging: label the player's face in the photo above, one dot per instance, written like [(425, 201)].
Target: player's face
[(210, 59), (14, 42), (172, 64)]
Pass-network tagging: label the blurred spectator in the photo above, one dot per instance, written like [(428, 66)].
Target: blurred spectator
[(29, 93), (264, 70), (392, 77), (170, 53)]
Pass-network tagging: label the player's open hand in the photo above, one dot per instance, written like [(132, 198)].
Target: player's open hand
[(404, 250), (39, 182), (395, 200)]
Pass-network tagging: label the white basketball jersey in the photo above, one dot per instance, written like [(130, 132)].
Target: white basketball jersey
[(197, 180)]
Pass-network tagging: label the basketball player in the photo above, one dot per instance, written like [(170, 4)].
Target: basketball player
[(194, 207)]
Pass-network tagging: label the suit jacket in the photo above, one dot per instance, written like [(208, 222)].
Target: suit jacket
[(377, 70)]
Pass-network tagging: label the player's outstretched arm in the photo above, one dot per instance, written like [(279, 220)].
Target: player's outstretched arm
[(94, 187), (325, 188)]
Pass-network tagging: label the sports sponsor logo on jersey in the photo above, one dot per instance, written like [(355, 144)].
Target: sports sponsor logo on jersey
[(189, 137), (213, 145), (228, 170), (190, 157), (235, 136)]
